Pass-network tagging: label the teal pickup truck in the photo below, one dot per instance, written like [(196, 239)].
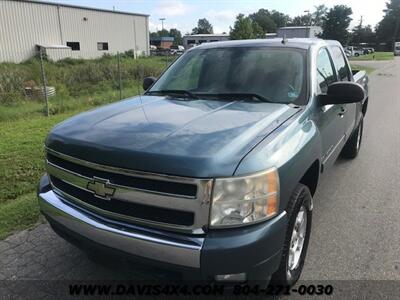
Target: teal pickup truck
[(213, 169)]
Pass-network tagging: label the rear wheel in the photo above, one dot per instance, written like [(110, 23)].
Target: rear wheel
[(297, 237), (353, 145)]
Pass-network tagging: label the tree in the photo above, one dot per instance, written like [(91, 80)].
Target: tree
[(177, 35), (336, 23), (314, 19), (303, 20), (279, 18), (318, 16), (362, 34), (243, 28), (203, 27), (258, 32), (264, 20), (388, 29), (159, 33)]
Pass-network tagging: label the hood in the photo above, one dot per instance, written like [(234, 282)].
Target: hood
[(195, 138)]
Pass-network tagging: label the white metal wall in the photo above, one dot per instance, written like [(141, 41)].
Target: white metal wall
[(23, 25)]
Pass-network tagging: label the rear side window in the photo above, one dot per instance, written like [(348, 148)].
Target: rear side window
[(325, 73), (340, 63)]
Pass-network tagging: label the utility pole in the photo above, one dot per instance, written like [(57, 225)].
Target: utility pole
[(309, 16), (162, 23)]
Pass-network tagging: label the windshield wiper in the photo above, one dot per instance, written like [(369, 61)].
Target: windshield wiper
[(188, 94), (238, 95)]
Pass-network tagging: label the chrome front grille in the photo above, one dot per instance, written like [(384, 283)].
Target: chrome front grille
[(168, 202)]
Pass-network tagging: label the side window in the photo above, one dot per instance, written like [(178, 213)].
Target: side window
[(101, 46), (75, 46), (340, 63), (325, 73)]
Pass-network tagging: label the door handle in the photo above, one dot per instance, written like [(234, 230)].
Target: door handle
[(342, 112)]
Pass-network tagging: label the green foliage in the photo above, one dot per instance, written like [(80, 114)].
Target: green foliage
[(319, 14), (203, 27), (369, 70), (336, 23), (303, 20), (388, 29), (75, 80), (243, 28), (177, 35), (173, 32), (362, 34), (264, 20), (18, 214), (374, 56)]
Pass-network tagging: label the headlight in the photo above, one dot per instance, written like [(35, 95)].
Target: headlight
[(244, 200)]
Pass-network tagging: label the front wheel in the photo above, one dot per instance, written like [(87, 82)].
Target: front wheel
[(294, 251)]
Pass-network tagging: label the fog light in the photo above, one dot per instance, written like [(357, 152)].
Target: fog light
[(239, 277)]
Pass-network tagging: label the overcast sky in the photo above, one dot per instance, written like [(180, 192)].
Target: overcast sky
[(183, 14)]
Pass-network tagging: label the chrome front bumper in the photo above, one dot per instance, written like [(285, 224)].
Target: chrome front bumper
[(156, 247)]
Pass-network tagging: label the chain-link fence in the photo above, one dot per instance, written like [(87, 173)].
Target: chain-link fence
[(40, 86)]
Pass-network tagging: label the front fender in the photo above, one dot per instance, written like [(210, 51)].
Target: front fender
[(292, 148)]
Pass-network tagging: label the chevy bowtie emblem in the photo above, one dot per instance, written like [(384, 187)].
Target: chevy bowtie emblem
[(101, 188)]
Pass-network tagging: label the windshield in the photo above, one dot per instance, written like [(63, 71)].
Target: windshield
[(272, 74)]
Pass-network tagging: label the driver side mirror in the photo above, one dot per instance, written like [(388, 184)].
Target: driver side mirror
[(148, 82), (343, 92)]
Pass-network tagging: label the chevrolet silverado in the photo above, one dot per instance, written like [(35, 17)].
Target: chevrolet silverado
[(213, 169)]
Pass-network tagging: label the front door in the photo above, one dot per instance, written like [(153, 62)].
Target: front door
[(331, 119)]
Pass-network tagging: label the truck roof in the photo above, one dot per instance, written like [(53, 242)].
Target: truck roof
[(302, 43)]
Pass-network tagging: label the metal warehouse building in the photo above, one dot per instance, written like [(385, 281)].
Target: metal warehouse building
[(68, 31)]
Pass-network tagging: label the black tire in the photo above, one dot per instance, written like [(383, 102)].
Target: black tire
[(353, 144), (300, 199), (356, 54)]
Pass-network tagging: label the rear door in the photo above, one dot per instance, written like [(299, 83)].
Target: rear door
[(331, 121), (343, 74)]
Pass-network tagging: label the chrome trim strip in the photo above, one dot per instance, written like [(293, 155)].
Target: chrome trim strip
[(122, 218), (332, 150), (200, 205), (121, 192), (128, 172), (135, 243)]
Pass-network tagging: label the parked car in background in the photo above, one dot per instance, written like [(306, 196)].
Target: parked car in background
[(177, 50), (371, 50), (397, 48), (355, 51), (213, 170)]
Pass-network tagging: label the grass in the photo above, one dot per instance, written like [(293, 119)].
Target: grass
[(79, 83), (374, 56), (367, 69), (23, 126), (19, 214)]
